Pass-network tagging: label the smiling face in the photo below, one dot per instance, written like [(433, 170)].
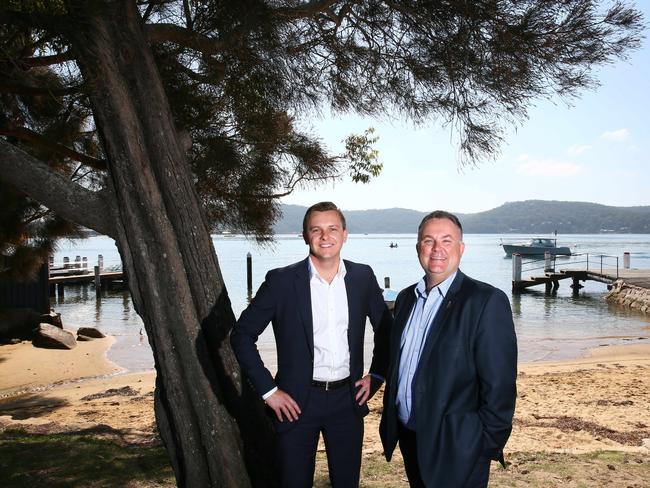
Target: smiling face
[(439, 248), (325, 235)]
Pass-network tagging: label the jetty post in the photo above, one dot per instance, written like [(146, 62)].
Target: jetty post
[(548, 262), (386, 282), (626, 260), (516, 268), (98, 282), (249, 275)]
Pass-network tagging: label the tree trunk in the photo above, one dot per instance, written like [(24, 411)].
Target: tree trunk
[(212, 425)]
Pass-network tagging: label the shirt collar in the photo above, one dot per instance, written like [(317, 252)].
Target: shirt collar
[(314, 272), (443, 287)]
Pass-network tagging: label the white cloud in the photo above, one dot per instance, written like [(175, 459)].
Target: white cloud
[(546, 167), (577, 150), (616, 135), (523, 157)]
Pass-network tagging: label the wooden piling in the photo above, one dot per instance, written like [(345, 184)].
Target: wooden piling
[(386, 282), (98, 282), (249, 274), (516, 267), (548, 262)]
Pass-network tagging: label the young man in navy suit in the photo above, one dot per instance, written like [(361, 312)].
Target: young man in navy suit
[(318, 308), (451, 386)]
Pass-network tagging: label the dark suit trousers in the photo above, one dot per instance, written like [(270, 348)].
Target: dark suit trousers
[(408, 446), (332, 413)]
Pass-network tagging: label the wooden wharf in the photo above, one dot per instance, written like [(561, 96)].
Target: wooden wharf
[(78, 272), (89, 277), (548, 276)]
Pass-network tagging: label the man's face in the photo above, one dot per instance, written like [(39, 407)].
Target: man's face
[(439, 250), (325, 235)]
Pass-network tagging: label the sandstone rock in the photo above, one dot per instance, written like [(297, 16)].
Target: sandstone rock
[(90, 332), (52, 318), (51, 337)]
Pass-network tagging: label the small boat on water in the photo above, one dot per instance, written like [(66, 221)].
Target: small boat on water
[(537, 246)]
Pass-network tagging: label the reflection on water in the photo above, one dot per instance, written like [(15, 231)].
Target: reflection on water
[(548, 327)]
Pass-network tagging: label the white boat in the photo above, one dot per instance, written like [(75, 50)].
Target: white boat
[(537, 246)]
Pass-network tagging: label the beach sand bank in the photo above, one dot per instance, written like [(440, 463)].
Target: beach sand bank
[(599, 402), (25, 367)]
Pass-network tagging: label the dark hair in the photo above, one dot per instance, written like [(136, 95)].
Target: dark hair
[(441, 214), (321, 207)]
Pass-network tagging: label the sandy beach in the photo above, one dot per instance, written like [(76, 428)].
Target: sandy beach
[(596, 403)]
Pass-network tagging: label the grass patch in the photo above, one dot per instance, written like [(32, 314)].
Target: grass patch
[(525, 469), (70, 460), (90, 461), (590, 470)]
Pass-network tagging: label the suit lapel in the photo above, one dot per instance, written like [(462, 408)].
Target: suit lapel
[(303, 301), (401, 317), (403, 313), (351, 292), (440, 320)]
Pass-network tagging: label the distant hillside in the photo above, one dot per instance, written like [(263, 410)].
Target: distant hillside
[(527, 217)]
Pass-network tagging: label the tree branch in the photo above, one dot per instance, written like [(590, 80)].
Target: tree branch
[(157, 33), (18, 89), (39, 140), (48, 60), (69, 200), (306, 10)]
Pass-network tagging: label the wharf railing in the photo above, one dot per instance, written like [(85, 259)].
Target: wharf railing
[(579, 267)]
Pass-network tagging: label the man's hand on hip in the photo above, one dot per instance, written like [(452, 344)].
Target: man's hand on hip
[(284, 406)]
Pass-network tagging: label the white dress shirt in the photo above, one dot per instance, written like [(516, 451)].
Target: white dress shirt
[(329, 312)]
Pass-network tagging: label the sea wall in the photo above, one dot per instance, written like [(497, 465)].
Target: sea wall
[(630, 296)]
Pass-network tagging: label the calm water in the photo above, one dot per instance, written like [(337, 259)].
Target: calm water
[(548, 327)]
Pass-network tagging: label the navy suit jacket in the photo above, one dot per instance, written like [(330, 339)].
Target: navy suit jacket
[(465, 384), (284, 300)]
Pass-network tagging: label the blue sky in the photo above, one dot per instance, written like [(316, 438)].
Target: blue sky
[(595, 150)]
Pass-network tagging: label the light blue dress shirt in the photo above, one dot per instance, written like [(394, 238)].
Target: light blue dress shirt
[(413, 340)]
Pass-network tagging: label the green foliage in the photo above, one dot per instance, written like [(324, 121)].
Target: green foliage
[(359, 149), (28, 234), (242, 76)]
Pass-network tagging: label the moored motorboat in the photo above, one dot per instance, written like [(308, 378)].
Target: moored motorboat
[(537, 246)]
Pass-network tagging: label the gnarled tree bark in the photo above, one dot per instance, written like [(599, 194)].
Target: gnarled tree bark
[(213, 427)]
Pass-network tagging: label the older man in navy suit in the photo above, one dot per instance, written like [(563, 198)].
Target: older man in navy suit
[(318, 308), (451, 386)]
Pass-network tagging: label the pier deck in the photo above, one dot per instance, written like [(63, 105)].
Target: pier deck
[(85, 277), (551, 279)]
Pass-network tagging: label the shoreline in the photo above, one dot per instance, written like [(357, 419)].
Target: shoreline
[(28, 369), (610, 387)]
